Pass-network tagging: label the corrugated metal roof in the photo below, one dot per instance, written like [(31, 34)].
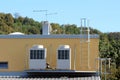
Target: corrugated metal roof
[(49, 36), (62, 78)]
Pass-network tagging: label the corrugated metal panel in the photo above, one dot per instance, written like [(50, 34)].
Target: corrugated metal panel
[(49, 36), (62, 78)]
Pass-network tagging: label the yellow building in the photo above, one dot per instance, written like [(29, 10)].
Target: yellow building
[(20, 53)]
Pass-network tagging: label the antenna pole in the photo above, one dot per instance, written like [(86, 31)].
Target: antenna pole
[(46, 13), (42, 11), (88, 31)]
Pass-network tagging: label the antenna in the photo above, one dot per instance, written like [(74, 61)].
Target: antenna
[(46, 12), (49, 14)]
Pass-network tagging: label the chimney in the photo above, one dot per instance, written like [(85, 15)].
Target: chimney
[(46, 28)]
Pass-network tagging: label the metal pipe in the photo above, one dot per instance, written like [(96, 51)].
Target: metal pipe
[(27, 56), (81, 45), (75, 57), (88, 42), (109, 62), (88, 54), (81, 27), (105, 69), (50, 53), (101, 65), (88, 31)]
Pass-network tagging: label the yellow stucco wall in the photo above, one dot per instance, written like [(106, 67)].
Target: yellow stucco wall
[(16, 52)]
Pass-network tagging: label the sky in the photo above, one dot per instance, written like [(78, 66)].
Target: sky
[(103, 15)]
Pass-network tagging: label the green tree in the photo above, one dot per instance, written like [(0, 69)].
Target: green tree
[(71, 29), (9, 19), (33, 30)]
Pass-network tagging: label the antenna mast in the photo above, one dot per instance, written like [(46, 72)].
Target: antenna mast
[(46, 13)]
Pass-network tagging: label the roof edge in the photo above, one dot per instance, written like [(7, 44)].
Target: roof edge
[(49, 36)]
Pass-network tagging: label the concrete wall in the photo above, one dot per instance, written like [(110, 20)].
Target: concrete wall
[(16, 53)]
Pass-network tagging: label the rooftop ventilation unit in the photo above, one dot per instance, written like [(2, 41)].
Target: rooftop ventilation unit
[(46, 28)]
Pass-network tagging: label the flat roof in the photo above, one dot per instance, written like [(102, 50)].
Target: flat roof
[(48, 36)]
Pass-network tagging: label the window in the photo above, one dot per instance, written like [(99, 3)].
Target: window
[(63, 54), (3, 65), (38, 57), (31, 54), (37, 54)]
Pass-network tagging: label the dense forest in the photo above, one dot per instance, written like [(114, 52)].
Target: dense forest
[(109, 44)]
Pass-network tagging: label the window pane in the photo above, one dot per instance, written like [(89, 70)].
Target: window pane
[(66, 54), (35, 54), (59, 54), (42, 54), (62, 54), (3, 65), (39, 54), (31, 54)]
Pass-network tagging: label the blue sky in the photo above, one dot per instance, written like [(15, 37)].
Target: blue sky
[(104, 15)]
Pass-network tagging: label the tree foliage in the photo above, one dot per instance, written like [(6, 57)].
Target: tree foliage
[(26, 25), (109, 47)]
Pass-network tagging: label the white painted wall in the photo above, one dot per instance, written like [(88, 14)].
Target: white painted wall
[(37, 64)]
